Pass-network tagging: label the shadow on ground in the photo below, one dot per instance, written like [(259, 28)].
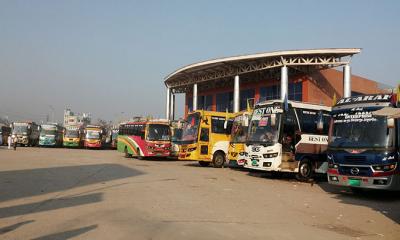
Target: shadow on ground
[(51, 204), (385, 202), (32, 182), (67, 234), (11, 228)]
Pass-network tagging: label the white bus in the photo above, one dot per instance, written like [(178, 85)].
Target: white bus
[(291, 137)]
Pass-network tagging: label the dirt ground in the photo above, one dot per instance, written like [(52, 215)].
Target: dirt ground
[(87, 194)]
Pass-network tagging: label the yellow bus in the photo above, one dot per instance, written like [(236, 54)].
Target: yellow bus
[(205, 138), (237, 145)]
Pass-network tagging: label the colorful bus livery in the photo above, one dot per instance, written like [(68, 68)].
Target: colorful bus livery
[(51, 135), (73, 136), (94, 137), (291, 138), (145, 139), (363, 150)]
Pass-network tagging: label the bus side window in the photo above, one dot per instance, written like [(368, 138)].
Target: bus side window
[(289, 129), (204, 135)]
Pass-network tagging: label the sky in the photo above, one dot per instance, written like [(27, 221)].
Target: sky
[(110, 58)]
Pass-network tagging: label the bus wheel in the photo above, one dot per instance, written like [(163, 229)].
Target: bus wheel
[(204, 164), (127, 155), (305, 170), (218, 159)]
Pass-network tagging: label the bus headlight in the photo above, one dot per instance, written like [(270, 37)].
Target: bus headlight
[(384, 168), (332, 165), (270, 155), (242, 153), (192, 149)]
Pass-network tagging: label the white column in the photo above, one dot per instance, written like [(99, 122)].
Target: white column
[(236, 95), (172, 114), (284, 83), (195, 97), (346, 81), (167, 105)]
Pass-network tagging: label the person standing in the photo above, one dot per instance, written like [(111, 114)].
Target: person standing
[(15, 141), (9, 141)]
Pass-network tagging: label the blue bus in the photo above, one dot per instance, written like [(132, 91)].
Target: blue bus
[(363, 145)]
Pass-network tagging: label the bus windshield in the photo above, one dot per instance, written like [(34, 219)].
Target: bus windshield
[(359, 129), (20, 129), (191, 128), (158, 132), (47, 132), (177, 134), (71, 133), (239, 131), (92, 134), (264, 125)]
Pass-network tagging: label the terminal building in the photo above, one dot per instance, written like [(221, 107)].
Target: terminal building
[(226, 84)]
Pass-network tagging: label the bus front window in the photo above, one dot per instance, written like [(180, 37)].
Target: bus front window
[(264, 125), (239, 131), (20, 129), (191, 128), (90, 134), (71, 133), (158, 132), (360, 130)]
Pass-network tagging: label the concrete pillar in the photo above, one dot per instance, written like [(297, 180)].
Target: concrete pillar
[(195, 97), (172, 115), (346, 81), (167, 105), (236, 95), (284, 83)]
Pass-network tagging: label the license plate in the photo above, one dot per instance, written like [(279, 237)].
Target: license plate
[(254, 162), (354, 182)]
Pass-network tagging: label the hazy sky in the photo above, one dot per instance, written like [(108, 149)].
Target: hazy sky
[(108, 57)]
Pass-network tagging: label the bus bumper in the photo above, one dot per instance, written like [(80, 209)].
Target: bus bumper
[(391, 182), (71, 144)]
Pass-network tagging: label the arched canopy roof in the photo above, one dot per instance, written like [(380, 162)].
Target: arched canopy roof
[(301, 60)]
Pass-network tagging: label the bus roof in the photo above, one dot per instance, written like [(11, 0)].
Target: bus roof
[(297, 104)]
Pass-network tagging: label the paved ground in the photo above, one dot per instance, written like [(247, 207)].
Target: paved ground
[(83, 194)]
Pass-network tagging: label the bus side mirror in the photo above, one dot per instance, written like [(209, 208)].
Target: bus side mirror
[(390, 123), (273, 120), (225, 124)]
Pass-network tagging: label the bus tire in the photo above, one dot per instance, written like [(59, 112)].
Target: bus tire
[(305, 170), (218, 159), (127, 155), (204, 164)]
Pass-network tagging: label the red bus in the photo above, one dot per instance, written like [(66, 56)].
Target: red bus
[(145, 139)]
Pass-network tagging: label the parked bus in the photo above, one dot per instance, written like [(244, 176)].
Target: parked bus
[(237, 143), (94, 137), (145, 139), (291, 137), (363, 150), (27, 133), (51, 135), (114, 138), (5, 131), (73, 135), (205, 137), (176, 135)]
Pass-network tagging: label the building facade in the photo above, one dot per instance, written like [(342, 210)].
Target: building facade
[(228, 84), (71, 118)]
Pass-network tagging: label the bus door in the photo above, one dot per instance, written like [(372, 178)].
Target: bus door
[(288, 138), (204, 141)]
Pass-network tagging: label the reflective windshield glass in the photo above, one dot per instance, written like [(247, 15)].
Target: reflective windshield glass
[(359, 129), (157, 132), (47, 132), (71, 133), (191, 128), (91, 134), (20, 129), (176, 134), (264, 124), (239, 130)]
